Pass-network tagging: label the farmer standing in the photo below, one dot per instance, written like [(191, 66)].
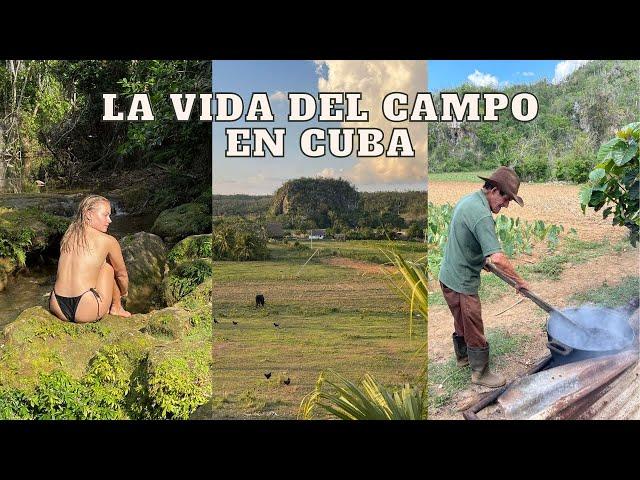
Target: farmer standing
[(471, 242)]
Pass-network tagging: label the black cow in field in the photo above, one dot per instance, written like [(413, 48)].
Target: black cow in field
[(259, 301)]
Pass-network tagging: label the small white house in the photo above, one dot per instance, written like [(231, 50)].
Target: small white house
[(317, 234)]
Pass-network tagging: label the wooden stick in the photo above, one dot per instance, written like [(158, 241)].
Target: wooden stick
[(509, 308)]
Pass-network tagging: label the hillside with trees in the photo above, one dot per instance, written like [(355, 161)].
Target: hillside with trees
[(308, 203), (575, 117)]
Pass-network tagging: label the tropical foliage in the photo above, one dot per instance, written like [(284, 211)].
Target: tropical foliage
[(51, 126), (372, 401), (238, 239), (615, 180)]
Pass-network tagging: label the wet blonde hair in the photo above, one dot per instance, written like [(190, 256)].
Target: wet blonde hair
[(75, 238)]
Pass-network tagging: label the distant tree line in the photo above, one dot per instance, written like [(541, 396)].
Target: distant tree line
[(300, 205)]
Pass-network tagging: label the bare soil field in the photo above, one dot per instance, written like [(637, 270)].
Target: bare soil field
[(557, 203)]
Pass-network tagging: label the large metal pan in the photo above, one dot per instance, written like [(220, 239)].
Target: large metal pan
[(582, 332), (569, 344)]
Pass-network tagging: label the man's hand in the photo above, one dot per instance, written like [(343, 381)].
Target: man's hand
[(522, 285)]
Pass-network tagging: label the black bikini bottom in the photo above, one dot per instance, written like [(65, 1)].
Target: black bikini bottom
[(69, 305)]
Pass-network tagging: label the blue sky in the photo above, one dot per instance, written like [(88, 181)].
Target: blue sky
[(448, 74), (265, 175)]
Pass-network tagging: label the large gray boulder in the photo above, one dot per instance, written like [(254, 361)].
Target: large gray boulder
[(145, 257)]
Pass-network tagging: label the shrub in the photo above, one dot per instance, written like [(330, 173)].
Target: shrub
[(533, 168), (573, 169)]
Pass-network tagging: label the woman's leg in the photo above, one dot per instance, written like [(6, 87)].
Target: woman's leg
[(116, 302)]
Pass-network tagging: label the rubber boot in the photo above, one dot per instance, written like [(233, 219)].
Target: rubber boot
[(460, 347), (480, 373)]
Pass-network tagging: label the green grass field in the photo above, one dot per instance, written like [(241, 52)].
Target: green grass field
[(459, 176), (344, 318)]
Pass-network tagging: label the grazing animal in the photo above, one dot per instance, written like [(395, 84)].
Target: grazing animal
[(276, 324), (287, 381), (215, 321), (268, 375), (259, 301), (235, 323)]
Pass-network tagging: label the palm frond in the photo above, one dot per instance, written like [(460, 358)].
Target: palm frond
[(371, 401)]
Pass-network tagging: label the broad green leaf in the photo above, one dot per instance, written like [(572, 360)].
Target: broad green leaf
[(605, 151), (631, 151), (618, 153), (597, 199), (585, 196), (597, 175)]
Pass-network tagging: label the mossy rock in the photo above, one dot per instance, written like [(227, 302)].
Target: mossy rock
[(190, 248), (145, 257), (177, 380), (27, 231), (168, 323), (38, 343), (177, 223), (111, 369), (200, 298), (184, 278)]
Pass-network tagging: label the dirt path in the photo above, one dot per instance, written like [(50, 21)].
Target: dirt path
[(550, 202), (525, 318), (362, 266)]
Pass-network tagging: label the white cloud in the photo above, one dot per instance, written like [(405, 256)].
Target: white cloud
[(327, 173), (528, 74), (566, 68), (320, 66), (480, 79), (278, 96), (375, 79)]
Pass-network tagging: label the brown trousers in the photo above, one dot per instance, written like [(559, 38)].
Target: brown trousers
[(467, 316)]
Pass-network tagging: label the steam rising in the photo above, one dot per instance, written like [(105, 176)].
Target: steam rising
[(611, 330)]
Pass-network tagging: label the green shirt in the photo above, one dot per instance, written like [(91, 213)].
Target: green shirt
[(472, 237)]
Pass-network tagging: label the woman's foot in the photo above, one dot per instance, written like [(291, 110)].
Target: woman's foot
[(119, 311)]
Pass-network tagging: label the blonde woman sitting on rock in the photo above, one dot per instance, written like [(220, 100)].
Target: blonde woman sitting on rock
[(92, 276)]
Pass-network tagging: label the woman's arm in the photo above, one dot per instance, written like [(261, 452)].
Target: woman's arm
[(116, 260)]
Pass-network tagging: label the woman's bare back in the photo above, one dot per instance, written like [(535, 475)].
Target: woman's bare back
[(78, 270)]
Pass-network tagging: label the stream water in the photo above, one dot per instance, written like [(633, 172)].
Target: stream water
[(30, 288)]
